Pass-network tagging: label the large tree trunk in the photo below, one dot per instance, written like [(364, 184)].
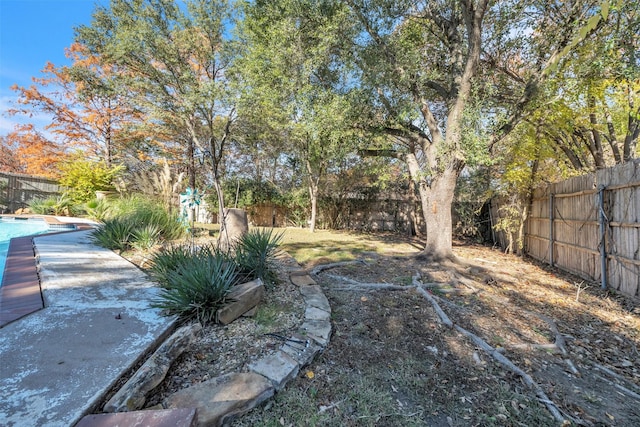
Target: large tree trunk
[(436, 207), (436, 198)]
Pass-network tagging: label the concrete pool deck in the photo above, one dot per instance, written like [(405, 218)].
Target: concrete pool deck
[(57, 363)]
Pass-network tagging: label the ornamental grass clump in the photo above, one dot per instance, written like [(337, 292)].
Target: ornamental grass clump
[(196, 286), (137, 222)]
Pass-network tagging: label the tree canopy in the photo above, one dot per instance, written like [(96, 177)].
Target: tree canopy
[(296, 92)]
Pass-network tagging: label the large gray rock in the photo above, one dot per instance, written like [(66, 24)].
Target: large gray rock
[(301, 279), (133, 394), (223, 398), (302, 349), (318, 330)]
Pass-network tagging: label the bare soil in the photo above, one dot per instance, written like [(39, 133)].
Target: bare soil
[(392, 362)]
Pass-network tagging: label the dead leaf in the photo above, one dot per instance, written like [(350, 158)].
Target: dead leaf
[(310, 375)]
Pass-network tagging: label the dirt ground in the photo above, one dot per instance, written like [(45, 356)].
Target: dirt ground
[(392, 362)]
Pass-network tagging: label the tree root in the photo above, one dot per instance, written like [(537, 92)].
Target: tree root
[(618, 377), (322, 267), (504, 361)]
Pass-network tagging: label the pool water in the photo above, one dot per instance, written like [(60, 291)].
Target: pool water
[(17, 228)]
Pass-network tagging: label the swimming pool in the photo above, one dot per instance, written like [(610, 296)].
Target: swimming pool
[(11, 227)]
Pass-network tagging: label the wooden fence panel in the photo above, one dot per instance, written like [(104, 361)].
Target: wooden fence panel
[(565, 226), (18, 190)]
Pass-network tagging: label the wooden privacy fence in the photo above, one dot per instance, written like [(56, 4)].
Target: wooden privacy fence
[(17, 190), (590, 226)]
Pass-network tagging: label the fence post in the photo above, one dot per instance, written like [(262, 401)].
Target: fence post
[(603, 233), (551, 236)]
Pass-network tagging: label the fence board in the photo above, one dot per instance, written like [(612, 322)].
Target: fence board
[(18, 190), (573, 243)]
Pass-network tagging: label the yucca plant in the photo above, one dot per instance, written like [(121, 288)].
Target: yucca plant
[(197, 287), (145, 237), (255, 254), (168, 259), (114, 234)]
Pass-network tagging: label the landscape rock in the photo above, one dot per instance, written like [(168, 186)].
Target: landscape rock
[(132, 395), (278, 367), (318, 330), (302, 349), (313, 313), (314, 297), (301, 279), (221, 399), (182, 417), (242, 298)]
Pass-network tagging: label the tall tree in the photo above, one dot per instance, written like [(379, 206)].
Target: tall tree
[(85, 111), (291, 69), (25, 150), (174, 59), (419, 66)]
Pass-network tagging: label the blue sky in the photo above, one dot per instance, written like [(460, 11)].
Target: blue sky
[(33, 32)]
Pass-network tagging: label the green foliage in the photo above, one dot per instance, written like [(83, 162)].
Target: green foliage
[(83, 177), (255, 253), (144, 211), (247, 192), (43, 206), (146, 237), (195, 280), (114, 234), (97, 209), (168, 260), (137, 222), (197, 287), (62, 205)]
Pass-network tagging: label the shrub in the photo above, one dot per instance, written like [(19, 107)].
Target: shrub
[(84, 177), (197, 286), (98, 210), (145, 237), (168, 260), (43, 206), (143, 211), (114, 234), (62, 205), (255, 254)]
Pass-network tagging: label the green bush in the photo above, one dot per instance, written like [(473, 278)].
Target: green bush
[(143, 211), (43, 206), (197, 286), (98, 210), (134, 222), (255, 254), (168, 260), (83, 177), (62, 205)]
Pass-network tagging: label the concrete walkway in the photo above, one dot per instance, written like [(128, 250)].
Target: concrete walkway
[(57, 363)]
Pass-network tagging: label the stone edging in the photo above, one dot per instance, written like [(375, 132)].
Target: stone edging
[(219, 400)]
